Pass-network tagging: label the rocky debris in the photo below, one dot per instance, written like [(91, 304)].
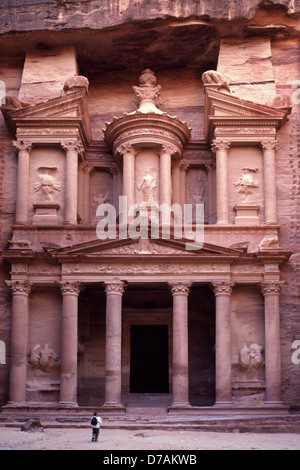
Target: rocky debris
[(32, 425)]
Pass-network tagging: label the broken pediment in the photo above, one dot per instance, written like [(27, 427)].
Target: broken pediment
[(68, 109), (225, 109)]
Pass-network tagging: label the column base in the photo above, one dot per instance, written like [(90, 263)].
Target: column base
[(223, 404), (15, 404), (113, 407), (180, 405), (275, 404), (67, 404)]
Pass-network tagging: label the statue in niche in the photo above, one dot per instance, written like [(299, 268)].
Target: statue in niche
[(251, 358), (148, 186), (44, 358), (47, 183), (102, 198), (246, 183)]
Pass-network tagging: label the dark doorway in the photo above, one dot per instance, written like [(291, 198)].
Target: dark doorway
[(149, 359)]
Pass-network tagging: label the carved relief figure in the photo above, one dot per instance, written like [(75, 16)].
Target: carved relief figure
[(44, 358), (47, 183), (251, 358), (148, 186), (246, 183)]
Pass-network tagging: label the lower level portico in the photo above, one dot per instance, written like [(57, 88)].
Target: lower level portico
[(179, 330)]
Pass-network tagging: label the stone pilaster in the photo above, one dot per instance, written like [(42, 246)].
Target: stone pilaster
[(19, 337), (24, 149), (220, 148), (129, 153), (269, 149), (271, 291), (72, 149)]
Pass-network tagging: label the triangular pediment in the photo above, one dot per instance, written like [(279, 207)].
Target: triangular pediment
[(141, 248), (226, 109), (71, 106)]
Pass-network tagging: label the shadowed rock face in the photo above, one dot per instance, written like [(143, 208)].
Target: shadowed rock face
[(122, 34)]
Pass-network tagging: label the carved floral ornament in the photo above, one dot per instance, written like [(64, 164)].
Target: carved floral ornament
[(114, 287), (180, 287), (222, 287), (20, 287), (271, 287), (70, 287), (22, 145)]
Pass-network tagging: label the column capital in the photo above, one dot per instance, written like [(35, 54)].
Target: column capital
[(269, 145), (220, 145), (23, 145), (86, 168), (184, 165), (271, 287), (20, 287), (72, 145), (70, 287), (180, 287), (168, 149), (222, 287), (126, 149), (114, 287)]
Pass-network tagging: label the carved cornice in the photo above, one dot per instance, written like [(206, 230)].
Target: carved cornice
[(19, 287)]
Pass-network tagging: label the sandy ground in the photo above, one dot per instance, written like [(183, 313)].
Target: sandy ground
[(115, 439)]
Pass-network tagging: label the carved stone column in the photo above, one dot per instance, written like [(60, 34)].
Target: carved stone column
[(165, 179), (210, 168), (69, 343), (180, 292), (72, 149), (221, 148), (87, 170), (114, 172), (269, 148), (19, 337), (113, 373), (24, 149), (271, 291), (176, 175), (222, 290)]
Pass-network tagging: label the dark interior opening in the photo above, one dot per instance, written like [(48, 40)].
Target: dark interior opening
[(149, 359)]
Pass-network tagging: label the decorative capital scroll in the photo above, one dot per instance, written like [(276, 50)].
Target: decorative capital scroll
[(220, 145), (72, 146), (114, 287), (20, 287), (269, 145), (180, 287), (222, 287), (22, 145), (70, 287), (271, 287)]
